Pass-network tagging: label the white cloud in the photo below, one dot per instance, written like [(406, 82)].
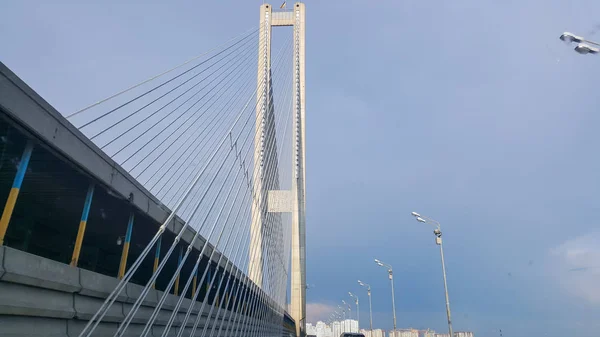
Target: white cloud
[(576, 266), (318, 312)]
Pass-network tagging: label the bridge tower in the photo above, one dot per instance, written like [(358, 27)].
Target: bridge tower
[(293, 200)]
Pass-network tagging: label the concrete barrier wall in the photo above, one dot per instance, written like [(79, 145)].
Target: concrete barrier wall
[(42, 297)]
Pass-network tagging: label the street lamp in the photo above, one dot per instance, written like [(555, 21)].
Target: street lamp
[(391, 277), (438, 241), (349, 315), (342, 327), (349, 309), (583, 46), (357, 311), (336, 317), (343, 311), (370, 306), (570, 37)]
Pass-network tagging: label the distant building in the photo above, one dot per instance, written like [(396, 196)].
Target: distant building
[(427, 333), (350, 325), (376, 333), (336, 328), (404, 333), (463, 334), (339, 327), (323, 330), (456, 334)]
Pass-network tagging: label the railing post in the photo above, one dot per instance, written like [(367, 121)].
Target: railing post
[(82, 225), (234, 293), (156, 258), (14, 191), (126, 244), (208, 280), (216, 302), (176, 292), (194, 282)]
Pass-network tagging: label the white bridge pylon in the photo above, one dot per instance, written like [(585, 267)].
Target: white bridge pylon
[(279, 201)]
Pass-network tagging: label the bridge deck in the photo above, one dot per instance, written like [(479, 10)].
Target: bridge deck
[(23, 109)]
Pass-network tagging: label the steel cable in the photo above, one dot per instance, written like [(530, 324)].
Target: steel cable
[(253, 30)]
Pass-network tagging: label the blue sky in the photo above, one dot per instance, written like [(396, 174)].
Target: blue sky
[(472, 112)]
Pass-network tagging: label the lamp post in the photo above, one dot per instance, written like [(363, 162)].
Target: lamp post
[(349, 315), (438, 241), (334, 318), (343, 311), (357, 312), (370, 306), (391, 277), (583, 46), (349, 309), (342, 327)]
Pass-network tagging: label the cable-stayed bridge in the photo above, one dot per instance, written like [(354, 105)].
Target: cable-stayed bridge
[(175, 207)]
